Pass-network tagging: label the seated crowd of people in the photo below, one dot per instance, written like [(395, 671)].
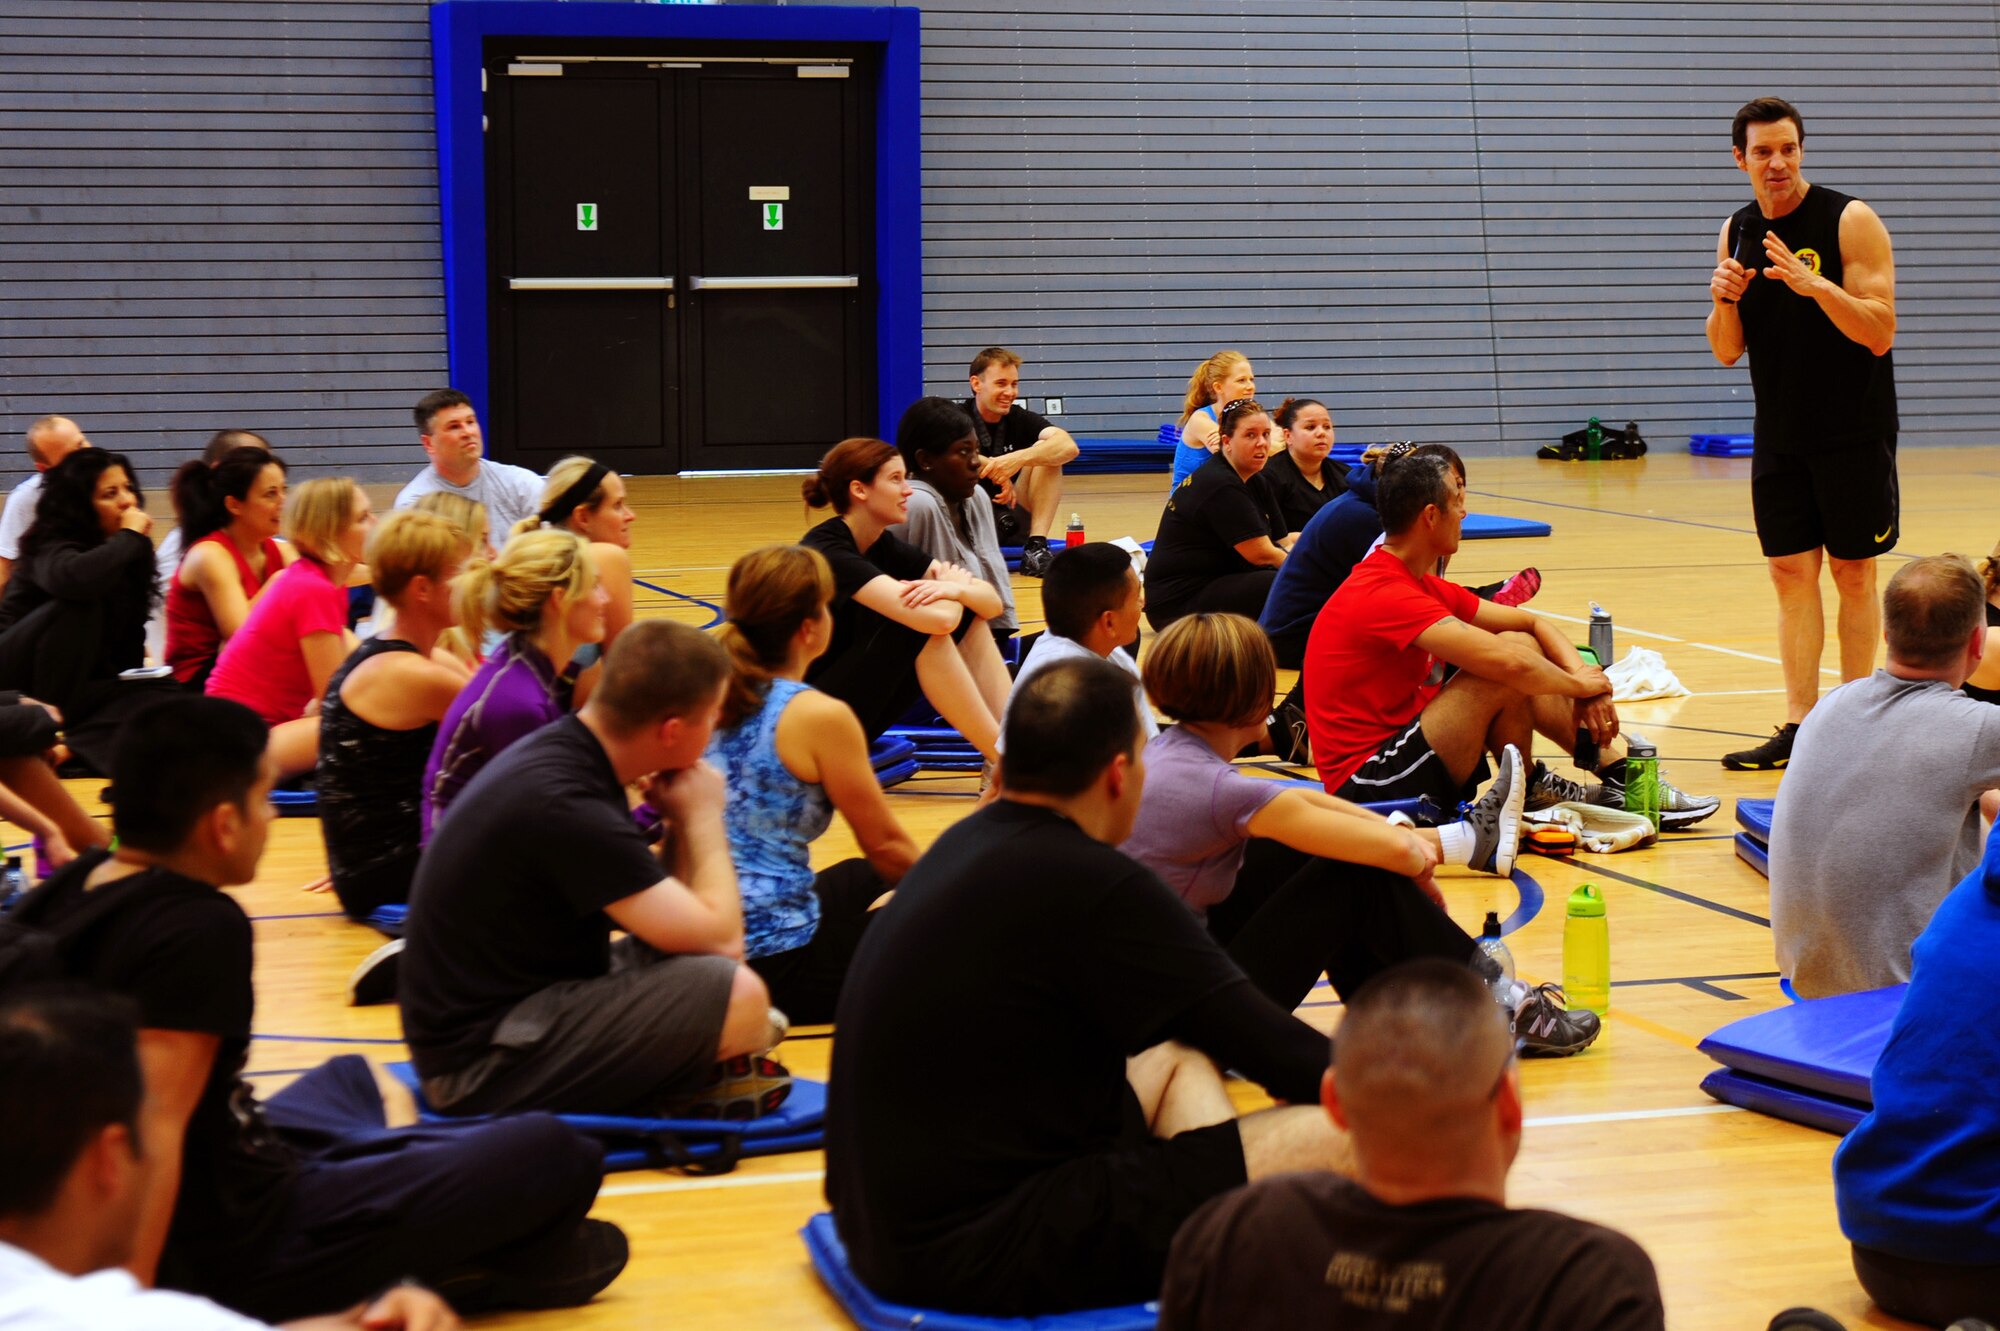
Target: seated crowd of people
[(599, 831)]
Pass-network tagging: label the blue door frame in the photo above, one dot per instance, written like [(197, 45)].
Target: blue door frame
[(459, 29)]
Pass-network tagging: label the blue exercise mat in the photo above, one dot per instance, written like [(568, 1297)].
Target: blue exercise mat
[(1827, 1046), (1720, 445), (895, 774), (1011, 554), (389, 919), (1099, 457), (296, 803), (707, 1145), (889, 751), (829, 1258), (1488, 526), (1761, 1095), (1754, 817), (1753, 853)]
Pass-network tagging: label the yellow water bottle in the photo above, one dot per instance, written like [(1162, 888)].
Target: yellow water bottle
[(1587, 952)]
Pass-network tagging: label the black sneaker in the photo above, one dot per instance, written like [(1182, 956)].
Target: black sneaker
[(1678, 809), (1804, 1319), (374, 980), (1290, 737), (1770, 756), (568, 1278), (1547, 788), (1545, 1027), (1496, 819), (1036, 556)]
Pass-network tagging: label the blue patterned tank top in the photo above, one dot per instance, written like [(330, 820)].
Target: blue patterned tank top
[(772, 818)]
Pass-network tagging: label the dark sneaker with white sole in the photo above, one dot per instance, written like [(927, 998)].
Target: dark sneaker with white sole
[(1548, 788), (1770, 756), (1678, 809), (374, 980), (1036, 556), (1496, 818), (1545, 1027), (566, 1278)]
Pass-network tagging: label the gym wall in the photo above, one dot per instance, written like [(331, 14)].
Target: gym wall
[(1472, 222)]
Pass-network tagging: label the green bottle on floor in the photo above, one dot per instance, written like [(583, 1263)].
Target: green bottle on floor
[(1587, 951)]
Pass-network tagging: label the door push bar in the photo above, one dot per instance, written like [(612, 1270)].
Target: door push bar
[(590, 284), (771, 283)]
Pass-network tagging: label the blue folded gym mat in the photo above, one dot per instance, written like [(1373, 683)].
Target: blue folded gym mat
[(872, 1313), (706, 1145), (1488, 526), (1753, 843), (1753, 853), (1809, 1061), (1720, 445), (295, 803), (1011, 554)]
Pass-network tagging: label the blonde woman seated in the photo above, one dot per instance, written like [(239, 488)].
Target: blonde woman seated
[(792, 756), (280, 662), (468, 518), (1224, 377), (588, 498), (543, 594)]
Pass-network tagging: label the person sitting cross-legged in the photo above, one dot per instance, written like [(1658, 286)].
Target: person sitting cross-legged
[(1421, 1238), (1049, 1173), (73, 1177), (1410, 681), (513, 994), (323, 1195)]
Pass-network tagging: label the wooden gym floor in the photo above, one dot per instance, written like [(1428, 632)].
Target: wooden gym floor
[(1736, 1209)]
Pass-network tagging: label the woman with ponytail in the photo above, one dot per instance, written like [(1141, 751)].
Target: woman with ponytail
[(792, 756), (1223, 377), (231, 514), (902, 621), (542, 592), (588, 499)]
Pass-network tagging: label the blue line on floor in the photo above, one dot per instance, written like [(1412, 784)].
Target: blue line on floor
[(325, 1039), (710, 606), (1532, 899)]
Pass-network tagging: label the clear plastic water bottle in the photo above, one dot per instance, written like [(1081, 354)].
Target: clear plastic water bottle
[(1073, 535), (13, 884), (1642, 779), (1495, 948), (1587, 951), (1600, 636)]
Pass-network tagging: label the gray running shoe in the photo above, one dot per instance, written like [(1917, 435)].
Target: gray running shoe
[(1546, 789), (374, 980), (1678, 809), (1545, 1027), (1496, 818)]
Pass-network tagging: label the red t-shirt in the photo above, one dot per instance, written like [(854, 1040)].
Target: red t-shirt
[(262, 666), (1366, 679)]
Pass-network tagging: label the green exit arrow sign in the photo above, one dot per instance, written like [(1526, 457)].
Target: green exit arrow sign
[(586, 217), (774, 217)]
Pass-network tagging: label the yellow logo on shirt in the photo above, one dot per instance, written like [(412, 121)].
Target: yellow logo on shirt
[(1810, 258)]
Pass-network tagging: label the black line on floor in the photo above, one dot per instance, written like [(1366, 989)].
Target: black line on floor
[(1662, 889)]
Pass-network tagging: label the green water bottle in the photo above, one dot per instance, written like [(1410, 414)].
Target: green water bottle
[(1642, 779), (1587, 952), (1593, 442)]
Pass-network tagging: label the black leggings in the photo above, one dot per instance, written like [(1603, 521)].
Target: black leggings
[(1292, 916), (805, 982), (1928, 1292), (877, 674), (1233, 593)]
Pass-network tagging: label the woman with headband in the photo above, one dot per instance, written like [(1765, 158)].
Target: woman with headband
[(587, 499), (1222, 537)]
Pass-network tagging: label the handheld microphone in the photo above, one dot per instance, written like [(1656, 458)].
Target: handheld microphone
[(1742, 247)]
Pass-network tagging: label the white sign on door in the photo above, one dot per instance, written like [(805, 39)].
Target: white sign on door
[(586, 217)]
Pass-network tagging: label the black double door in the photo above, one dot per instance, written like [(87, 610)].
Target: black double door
[(681, 258)]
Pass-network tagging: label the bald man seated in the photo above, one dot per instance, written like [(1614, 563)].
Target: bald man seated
[(50, 440), (1425, 1083)]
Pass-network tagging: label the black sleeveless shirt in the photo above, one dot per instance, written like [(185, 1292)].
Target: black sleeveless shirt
[(1817, 389), (370, 780)]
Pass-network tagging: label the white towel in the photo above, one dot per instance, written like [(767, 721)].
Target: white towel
[(1643, 674)]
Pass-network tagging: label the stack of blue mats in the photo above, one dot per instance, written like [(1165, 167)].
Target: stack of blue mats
[(895, 760), (1100, 457), (939, 748), (1807, 1062), (1012, 553), (1719, 445), (295, 803), (872, 1313), (1753, 843), (702, 1145)]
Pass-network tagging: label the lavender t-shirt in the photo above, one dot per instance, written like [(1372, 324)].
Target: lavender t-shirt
[(1194, 818)]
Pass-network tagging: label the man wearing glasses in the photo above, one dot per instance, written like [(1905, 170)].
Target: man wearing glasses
[(1425, 1083)]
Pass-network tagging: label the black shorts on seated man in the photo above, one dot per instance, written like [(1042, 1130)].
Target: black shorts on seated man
[(513, 994), (312, 1200), (1050, 1173)]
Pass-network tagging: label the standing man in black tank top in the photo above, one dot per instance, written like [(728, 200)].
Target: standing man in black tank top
[(1805, 281)]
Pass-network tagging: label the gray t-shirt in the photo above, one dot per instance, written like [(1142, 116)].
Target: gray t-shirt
[(510, 493), (1051, 648), (929, 527), (1877, 819), (1194, 818)]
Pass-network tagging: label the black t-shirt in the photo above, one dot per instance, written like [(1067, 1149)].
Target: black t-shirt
[(1318, 1250), (181, 951), (510, 894), (1205, 518), (1298, 498), (853, 570), (1816, 387), (1018, 429), (1067, 957)]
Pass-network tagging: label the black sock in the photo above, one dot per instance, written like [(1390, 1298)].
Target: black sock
[(1613, 771)]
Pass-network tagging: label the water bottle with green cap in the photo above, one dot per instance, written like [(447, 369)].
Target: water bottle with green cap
[(1642, 779), (1587, 952)]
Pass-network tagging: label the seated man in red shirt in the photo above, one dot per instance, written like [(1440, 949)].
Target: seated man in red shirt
[(1410, 681)]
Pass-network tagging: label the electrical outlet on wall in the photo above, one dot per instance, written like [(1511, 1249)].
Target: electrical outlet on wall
[(1052, 406)]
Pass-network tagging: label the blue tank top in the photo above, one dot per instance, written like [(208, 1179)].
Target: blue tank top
[(1189, 456), (772, 819)]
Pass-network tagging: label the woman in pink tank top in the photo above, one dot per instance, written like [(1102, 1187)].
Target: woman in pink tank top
[(230, 516)]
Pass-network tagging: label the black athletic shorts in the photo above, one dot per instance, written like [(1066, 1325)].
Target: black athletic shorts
[(1407, 768), (1845, 500)]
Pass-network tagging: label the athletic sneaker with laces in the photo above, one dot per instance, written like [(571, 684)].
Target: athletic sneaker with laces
[(1036, 556), (1548, 788), (1496, 819), (1770, 756), (1519, 589), (374, 980), (1678, 809), (568, 1277), (739, 1089), (1544, 1026)]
